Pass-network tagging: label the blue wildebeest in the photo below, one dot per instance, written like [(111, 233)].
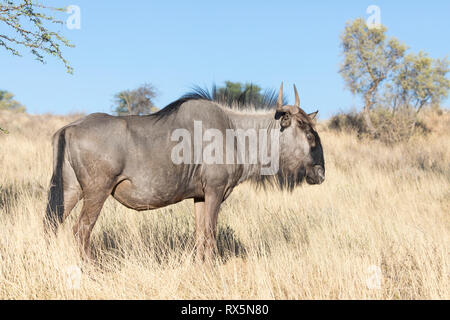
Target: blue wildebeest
[(132, 159)]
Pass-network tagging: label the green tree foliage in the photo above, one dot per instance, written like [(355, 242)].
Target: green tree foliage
[(7, 102), (25, 24), (135, 102), (369, 60), (240, 94), (376, 68), (421, 80)]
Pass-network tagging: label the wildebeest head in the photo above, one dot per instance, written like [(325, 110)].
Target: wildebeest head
[(302, 148)]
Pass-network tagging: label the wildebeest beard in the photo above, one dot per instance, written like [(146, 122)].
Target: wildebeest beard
[(283, 180)]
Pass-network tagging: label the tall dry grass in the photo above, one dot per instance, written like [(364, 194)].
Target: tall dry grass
[(378, 228)]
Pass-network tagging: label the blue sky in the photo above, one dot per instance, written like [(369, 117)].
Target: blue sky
[(177, 44)]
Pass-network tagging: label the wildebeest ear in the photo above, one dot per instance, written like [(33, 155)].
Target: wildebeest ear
[(313, 115)]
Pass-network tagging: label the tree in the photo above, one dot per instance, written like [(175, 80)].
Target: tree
[(369, 60), (7, 102), (26, 25), (420, 80), (135, 102), (240, 94)]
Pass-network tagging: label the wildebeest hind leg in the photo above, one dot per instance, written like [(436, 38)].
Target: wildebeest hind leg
[(92, 205), (71, 198), (72, 190)]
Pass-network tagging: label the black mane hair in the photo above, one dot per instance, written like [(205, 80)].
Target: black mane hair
[(225, 98), (268, 98)]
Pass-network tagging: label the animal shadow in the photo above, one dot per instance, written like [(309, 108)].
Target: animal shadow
[(163, 243), (229, 245)]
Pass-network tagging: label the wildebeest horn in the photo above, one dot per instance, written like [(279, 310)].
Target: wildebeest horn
[(297, 98), (286, 109), (280, 99)]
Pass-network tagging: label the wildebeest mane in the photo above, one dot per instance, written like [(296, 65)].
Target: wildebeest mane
[(169, 109), (245, 100), (266, 101)]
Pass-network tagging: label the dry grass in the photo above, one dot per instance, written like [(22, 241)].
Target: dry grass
[(380, 206)]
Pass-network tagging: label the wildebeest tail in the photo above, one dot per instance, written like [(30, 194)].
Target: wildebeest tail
[(55, 204)]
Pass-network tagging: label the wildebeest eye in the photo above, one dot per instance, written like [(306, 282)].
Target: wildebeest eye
[(310, 137), (286, 121)]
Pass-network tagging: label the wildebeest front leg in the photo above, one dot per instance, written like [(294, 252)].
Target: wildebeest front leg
[(206, 214), (199, 210)]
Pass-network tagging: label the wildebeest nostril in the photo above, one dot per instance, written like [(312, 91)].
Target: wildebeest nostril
[(321, 174)]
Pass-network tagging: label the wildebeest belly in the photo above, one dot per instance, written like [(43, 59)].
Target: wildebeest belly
[(145, 197)]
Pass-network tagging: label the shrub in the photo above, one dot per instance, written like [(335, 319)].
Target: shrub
[(348, 122), (391, 126), (398, 126)]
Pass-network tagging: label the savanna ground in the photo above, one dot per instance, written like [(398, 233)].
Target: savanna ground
[(378, 228)]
